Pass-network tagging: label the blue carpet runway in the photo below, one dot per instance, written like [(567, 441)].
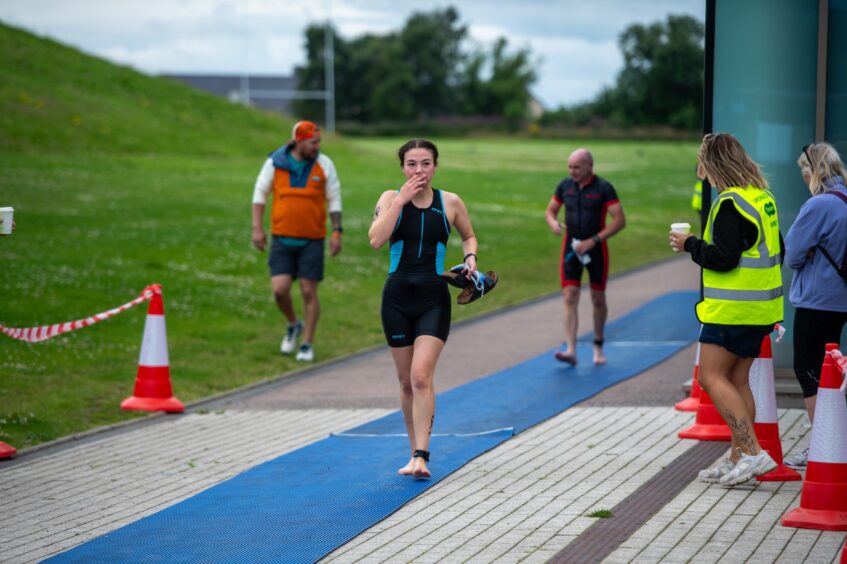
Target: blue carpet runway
[(304, 504)]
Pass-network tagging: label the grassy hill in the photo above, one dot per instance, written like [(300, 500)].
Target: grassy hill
[(55, 98), (120, 180)]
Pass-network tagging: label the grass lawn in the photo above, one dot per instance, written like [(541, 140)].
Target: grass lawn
[(94, 230), (120, 180)]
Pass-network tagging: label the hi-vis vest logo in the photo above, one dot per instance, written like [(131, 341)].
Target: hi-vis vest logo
[(770, 209)]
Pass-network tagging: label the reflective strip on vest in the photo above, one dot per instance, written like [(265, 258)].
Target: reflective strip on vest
[(751, 293), (743, 295)]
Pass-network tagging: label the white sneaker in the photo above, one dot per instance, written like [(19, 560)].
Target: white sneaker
[(713, 475), (289, 342), (798, 460), (748, 467), (306, 353)]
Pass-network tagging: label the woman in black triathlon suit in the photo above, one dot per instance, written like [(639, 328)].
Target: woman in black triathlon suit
[(416, 220)]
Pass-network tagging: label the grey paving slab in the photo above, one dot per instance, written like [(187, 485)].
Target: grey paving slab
[(56, 502), (521, 502)]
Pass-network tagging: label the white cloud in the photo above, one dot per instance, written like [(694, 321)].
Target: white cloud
[(575, 40)]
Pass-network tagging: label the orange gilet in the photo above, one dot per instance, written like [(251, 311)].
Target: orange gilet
[(299, 204)]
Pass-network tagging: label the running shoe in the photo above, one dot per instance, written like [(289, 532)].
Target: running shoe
[(289, 342), (306, 353), (714, 475), (798, 460), (748, 466)]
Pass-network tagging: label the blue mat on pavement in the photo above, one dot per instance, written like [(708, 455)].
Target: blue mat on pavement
[(304, 504)]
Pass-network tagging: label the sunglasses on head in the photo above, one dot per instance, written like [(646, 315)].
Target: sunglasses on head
[(806, 152)]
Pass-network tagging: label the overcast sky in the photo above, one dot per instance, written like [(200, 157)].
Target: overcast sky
[(575, 41)]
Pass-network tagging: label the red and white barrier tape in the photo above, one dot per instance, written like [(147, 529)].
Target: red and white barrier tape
[(841, 363), (38, 334)]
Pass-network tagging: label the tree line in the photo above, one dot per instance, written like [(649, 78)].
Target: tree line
[(430, 69)]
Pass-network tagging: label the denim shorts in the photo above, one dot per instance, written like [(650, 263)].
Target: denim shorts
[(741, 340)]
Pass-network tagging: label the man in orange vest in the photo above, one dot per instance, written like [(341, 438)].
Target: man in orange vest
[(305, 186)]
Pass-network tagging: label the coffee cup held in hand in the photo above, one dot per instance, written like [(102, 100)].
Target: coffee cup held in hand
[(684, 228)]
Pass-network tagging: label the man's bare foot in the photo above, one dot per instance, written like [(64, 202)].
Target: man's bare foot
[(421, 471), (599, 357), (567, 357), (409, 469)]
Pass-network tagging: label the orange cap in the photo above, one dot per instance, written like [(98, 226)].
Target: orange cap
[(304, 130)]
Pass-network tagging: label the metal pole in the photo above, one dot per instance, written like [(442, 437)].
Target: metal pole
[(820, 97), (329, 74), (245, 79)]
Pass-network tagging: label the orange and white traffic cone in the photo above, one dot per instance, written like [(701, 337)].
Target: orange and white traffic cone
[(693, 400), (708, 425), (7, 451), (766, 424), (153, 390), (823, 500)]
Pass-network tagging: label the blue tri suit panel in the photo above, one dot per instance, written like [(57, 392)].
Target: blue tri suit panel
[(415, 298)]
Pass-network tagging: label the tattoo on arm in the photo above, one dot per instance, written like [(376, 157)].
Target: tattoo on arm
[(376, 212)]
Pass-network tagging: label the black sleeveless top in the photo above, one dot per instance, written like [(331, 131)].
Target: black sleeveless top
[(419, 240)]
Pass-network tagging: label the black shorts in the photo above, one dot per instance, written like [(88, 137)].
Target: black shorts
[(300, 261), (813, 329), (744, 341), (415, 306), (571, 268)]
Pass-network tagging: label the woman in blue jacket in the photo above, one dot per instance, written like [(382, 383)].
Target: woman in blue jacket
[(818, 292)]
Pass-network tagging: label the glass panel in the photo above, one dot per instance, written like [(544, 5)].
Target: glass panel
[(764, 94), (836, 82), (836, 77)]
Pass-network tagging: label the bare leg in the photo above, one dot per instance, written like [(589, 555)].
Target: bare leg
[(403, 363), (311, 308), (720, 371), (810, 407), (571, 322), (427, 350), (601, 311), (281, 287)]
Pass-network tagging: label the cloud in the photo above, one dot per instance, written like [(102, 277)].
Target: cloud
[(575, 40)]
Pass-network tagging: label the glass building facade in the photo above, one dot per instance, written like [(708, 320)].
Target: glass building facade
[(776, 78)]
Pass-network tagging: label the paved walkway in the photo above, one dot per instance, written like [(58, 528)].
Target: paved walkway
[(526, 500)]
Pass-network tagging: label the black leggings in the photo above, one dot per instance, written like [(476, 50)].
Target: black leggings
[(813, 329)]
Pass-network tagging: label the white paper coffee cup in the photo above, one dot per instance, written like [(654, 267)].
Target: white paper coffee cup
[(684, 228), (7, 215)]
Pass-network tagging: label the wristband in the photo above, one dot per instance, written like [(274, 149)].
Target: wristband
[(338, 229), (468, 255), (596, 239)]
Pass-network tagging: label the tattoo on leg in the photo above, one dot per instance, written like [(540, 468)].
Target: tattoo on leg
[(431, 423), (741, 431)]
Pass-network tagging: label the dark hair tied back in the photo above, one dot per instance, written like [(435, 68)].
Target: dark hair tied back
[(418, 144)]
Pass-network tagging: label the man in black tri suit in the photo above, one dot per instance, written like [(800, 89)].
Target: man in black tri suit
[(587, 199)]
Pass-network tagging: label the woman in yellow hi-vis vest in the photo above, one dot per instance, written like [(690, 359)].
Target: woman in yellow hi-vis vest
[(740, 255)]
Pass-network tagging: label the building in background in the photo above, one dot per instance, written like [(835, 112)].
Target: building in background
[(266, 92)]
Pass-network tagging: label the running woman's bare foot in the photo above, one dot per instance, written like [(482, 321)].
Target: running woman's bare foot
[(421, 471), (409, 469)]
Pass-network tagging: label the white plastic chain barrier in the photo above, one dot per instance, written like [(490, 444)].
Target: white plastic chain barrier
[(38, 334), (841, 362)]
